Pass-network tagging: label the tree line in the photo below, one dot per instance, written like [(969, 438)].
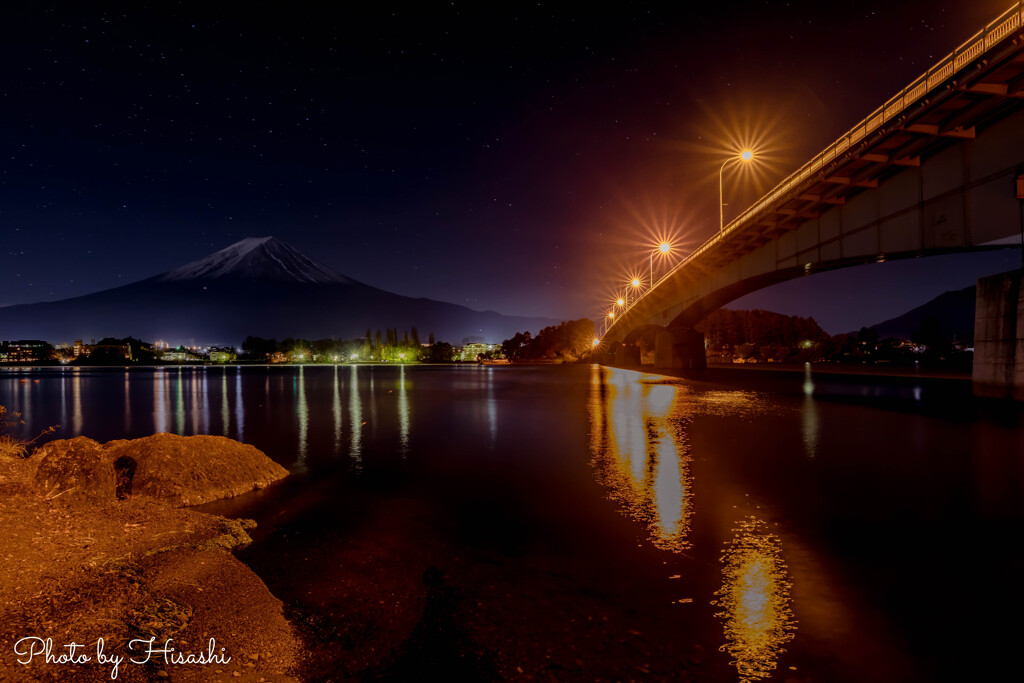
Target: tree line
[(569, 340)]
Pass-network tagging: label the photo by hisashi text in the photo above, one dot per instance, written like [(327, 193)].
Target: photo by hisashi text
[(140, 651)]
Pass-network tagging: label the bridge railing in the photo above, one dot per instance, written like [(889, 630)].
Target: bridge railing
[(945, 68)]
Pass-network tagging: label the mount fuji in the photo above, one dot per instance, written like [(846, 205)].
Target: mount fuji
[(258, 286)]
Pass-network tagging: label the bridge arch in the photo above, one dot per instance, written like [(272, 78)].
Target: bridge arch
[(937, 169)]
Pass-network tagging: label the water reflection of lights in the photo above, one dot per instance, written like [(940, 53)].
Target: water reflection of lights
[(239, 406), (337, 411), (76, 402), (127, 404), (403, 413), (225, 413), (302, 415), (179, 406), (355, 418), (639, 454), (492, 408), (63, 397), (809, 415), (754, 601)]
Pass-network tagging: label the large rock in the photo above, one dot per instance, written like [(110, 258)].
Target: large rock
[(180, 470), (75, 472), (189, 470)]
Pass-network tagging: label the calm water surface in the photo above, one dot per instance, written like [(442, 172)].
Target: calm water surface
[(587, 523)]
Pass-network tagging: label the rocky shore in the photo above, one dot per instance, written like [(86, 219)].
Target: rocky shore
[(101, 565)]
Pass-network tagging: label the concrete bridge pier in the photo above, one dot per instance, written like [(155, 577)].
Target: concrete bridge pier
[(679, 348), (999, 337)]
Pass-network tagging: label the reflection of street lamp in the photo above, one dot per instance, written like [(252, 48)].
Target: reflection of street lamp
[(745, 155), (663, 248)]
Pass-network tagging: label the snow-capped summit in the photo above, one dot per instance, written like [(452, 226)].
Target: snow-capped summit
[(257, 258)]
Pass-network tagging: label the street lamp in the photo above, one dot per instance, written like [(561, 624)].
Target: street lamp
[(745, 155), (663, 248)]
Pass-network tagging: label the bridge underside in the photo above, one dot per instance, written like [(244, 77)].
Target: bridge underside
[(938, 168), (961, 198)]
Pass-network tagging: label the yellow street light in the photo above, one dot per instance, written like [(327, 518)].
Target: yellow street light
[(597, 342), (620, 301), (662, 249), (635, 282), (745, 155)]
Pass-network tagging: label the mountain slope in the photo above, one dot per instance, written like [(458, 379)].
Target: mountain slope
[(261, 287), (954, 311), (257, 258)]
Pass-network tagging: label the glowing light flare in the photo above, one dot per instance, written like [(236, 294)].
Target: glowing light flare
[(754, 601), (620, 302), (664, 247), (596, 342), (746, 155), (611, 314)]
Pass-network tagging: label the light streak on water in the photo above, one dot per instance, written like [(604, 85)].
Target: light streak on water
[(127, 404), (639, 453), (63, 397), (355, 418), (337, 412), (225, 414), (160, 402), (193, 392), (492, 408), (179, 405), (754, 601), (403, 414), (302, 415), (239, 406), (76, 399), (205, 398)]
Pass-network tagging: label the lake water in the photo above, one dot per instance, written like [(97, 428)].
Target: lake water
[(589, 523)]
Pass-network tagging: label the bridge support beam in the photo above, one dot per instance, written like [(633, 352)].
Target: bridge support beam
[(999, 337), (679, 349)]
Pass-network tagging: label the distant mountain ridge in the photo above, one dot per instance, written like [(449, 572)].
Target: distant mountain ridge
[(954, 311), (258, 286)]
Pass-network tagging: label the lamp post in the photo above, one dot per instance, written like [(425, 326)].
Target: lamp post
[(746, 155), (663, 248)]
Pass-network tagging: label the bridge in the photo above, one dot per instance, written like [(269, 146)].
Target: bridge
[(939, 168)]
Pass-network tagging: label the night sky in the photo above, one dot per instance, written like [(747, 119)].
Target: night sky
[(518, 157)]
